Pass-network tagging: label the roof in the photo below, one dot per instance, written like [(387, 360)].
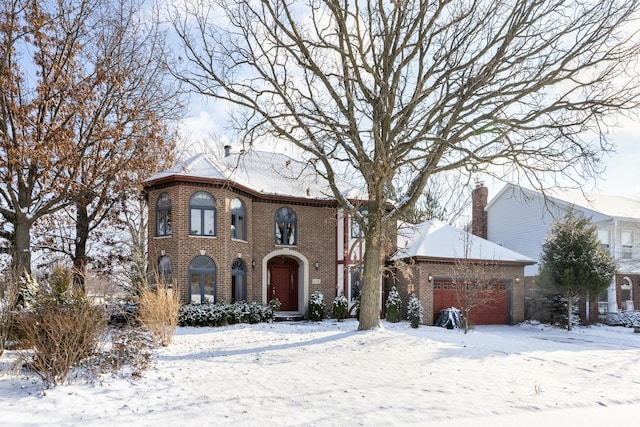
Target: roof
[(608, 205), (263, 172), (436, 239)]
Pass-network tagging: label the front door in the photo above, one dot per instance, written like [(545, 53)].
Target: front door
[(284, 283)]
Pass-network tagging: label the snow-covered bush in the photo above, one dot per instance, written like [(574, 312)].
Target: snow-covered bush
[(625, 318), (339, 308), (450, 318), (393, 306), (414, 311), (221, 314), (316, 307)]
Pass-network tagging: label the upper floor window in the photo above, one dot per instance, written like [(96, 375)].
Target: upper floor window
[(285, 222), (356, 230), (238, 221), (165, 270), (626, 239), (202, 214), (163, 215), (603, 238)]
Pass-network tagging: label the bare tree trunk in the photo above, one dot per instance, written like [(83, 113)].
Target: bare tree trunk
[(372, 276), (80, 251), (21, 247)]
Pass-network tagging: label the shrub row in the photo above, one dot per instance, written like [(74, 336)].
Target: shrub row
[(221, 314), (625, 318)]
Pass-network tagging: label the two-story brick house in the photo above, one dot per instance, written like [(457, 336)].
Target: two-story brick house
[(251, 226)]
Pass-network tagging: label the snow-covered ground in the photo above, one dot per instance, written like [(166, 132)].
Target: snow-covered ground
[(330, 374)]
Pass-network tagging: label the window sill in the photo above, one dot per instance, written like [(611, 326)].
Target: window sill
[(233, 239), (203, 236), (166, 236)]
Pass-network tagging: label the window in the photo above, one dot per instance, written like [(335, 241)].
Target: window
[(202, 273), (356, 230), (202, 217), (356, 281), (238, 223), (603, 238), (165, 270), (626, 238), (163, 215), (238, 281), (285, 222)]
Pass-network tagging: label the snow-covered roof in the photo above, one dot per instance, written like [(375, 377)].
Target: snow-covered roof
[(607, 205), (266, 173), (436, 239)]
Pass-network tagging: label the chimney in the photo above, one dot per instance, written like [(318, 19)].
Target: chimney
[(227, 150), (479, 199)]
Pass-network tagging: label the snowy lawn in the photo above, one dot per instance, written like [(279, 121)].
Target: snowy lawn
[(330, 374)]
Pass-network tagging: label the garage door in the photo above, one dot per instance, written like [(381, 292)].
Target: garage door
[(494, 313)]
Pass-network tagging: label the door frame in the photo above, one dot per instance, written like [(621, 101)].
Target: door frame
[(303, 276)]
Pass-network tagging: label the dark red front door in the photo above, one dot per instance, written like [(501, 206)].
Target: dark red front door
[(284, 284)]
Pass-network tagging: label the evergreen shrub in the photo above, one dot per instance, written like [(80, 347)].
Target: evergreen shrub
[(393, 306)]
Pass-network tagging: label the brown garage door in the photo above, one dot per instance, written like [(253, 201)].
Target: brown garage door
[(495, 313)]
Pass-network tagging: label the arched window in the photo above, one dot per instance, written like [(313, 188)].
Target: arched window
[(163, 215), (286, 229), (238, 281), (238, 220), (165, 270), (202, 214), (202, 277)]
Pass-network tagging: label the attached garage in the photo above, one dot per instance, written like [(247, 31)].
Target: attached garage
[(433, 250), (495, 312)]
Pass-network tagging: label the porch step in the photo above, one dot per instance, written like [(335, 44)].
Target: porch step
[(284, 316)]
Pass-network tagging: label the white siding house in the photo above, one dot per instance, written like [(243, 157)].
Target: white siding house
[(520, 218)]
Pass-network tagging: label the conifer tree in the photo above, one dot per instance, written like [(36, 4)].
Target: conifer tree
[(573, 263)]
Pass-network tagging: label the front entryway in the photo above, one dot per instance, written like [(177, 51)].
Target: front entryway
[(283, 275)]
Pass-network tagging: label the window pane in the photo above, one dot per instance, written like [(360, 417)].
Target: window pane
[(195, 289), (202, 199), (196, 225), (161, 230), (208, 287), (279, 233), (209, 226), (168, 222)]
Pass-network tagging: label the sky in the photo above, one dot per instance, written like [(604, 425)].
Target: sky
[(330, 374)]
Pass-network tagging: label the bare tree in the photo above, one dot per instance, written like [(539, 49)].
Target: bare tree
[(85, 105), (395, 93), (476, 283)]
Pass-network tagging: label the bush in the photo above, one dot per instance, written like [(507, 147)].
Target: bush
[(414, 311), (393, 306), (625, 318), (222, 314), (339, 308), (158, 312), (450, 318), (60, 328), (316, 307)]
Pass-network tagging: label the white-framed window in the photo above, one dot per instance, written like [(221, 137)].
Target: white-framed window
[(626, 240), (604, 237)]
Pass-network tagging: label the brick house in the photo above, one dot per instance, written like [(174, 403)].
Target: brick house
[(251, 226), (256, 226)]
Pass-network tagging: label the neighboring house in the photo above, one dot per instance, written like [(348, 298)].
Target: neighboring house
[(520, 219), (256, 226), (433, 249)]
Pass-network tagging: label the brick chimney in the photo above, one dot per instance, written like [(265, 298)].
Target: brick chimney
[(479, 199)]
